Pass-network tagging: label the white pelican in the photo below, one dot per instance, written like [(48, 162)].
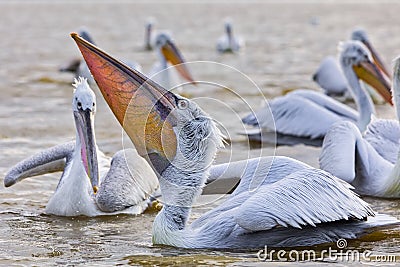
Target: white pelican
[(124, 186), (228, 43), (307, 115), (296, 204), (329, 75), (370, 162), (330, 78), (167, 52), (78, 67)]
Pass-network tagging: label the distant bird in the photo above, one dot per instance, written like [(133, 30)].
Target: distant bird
[(307, 115), (167, 52), (78, 67), (228, 43), (329, 75), (149, 34), (369, 161), (123, 187), (295, 205)]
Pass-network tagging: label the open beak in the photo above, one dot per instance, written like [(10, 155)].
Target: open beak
[(377, 58), (370, 73), (142, 107), (84, 126), (174, 56)]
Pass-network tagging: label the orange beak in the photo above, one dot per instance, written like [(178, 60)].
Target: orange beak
[(377, 58), (370, 73), (142, 107), (174, 56)]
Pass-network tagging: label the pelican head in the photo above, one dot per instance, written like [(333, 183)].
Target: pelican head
[(361, 35), (84, 33), (355, 56), (84, 108), (164, 127), (166, 46)]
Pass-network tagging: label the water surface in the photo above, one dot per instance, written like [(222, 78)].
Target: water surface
[(285, 43)]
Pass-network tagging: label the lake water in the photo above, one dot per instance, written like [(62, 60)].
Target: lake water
[(285, 43)]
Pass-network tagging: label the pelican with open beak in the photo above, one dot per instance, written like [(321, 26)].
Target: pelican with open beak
[(181, 140)]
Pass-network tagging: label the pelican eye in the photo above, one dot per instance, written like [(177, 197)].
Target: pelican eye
[(183, 104)]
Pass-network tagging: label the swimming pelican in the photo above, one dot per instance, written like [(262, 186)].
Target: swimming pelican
[(78, 67), (228, 42), (307, 115), (149, 34), (167, 52), (369, 162), (124, 186), (297, 205), (329, 75)]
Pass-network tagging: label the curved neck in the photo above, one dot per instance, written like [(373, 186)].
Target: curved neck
[(164, 77), (147, 36), (363, 101), (179, 187), (161, 58)]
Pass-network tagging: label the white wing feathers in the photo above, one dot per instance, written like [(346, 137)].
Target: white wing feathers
[(327, 102), (384, 136), (306, 197), (302, 113)]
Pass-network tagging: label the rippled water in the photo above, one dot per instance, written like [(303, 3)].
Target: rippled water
[(285, 43)]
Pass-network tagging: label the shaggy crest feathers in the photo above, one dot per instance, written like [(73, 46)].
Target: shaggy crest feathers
[(80, 82)]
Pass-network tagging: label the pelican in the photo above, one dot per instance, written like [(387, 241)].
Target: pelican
[(76, 65), (296, 204), (307, 115), (149, 34), (79, 67), (370, 162), (228, 43), (329, 75), (167, 52), (124, 186)]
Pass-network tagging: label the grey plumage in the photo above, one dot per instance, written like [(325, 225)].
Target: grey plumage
[(120, 187)]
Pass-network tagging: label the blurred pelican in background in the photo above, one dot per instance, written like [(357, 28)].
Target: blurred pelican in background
[(307, 115), (78, 67), (126, 181), (296, 205), (168, 53), (149, 34), (330, 77), (229, 43), (369, 161)]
